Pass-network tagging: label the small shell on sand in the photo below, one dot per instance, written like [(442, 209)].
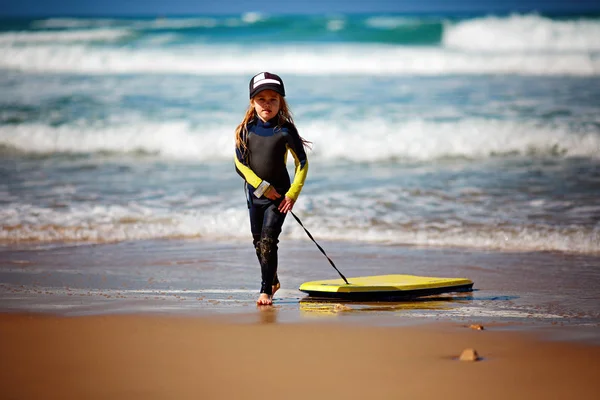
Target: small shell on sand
[(477, 327), (469, 355)]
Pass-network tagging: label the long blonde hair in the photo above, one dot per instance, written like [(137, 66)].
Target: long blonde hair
[(284, 115)]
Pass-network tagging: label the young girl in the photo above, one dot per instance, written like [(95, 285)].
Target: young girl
[(262, 141)]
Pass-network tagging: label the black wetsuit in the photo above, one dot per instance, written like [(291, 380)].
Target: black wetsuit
[(265, 161)]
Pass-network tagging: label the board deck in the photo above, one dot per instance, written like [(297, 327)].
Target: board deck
[(380, 287)]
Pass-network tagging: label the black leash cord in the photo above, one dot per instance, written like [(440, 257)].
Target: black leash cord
[(320, 248)]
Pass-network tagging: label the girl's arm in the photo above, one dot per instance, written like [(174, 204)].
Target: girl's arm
[(295, 146)]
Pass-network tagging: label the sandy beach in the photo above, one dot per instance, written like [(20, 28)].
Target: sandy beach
[(174, 357), (167, 320)]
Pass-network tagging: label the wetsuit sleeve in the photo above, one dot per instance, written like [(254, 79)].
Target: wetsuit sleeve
[(296, 148), (242, 168)]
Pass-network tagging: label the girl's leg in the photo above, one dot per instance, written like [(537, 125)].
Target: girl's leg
[(266, 249), (268, 259), (256, 210), (272, 223), (257, 247)]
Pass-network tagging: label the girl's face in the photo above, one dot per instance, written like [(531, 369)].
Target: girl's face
[(266, 104)]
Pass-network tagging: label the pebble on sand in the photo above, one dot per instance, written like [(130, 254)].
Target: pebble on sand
[(477, 327), (469, 355)]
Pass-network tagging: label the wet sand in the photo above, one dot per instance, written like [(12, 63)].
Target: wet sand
[(176, 357), (199, 277)]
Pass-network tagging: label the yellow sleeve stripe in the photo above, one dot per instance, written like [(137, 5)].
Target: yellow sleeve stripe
[(249, 175), (299, 177)]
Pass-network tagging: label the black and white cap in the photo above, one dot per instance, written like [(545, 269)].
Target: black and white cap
[(264, 81)]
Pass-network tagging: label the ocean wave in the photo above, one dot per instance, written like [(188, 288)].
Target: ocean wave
[(317, 59), (177, 140), (515, 238), (253, 17), (70, 36), (389, 22), (97, 223), (523, 33), (427, 140), (345, 140), (23, 223), (140, 24), (517, 32), (75, 23)]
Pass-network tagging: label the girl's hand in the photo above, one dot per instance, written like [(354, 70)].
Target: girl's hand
[(271, 193), (286, 205)]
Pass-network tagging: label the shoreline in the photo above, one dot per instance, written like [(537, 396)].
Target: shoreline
[(155, 357), (208, 278)]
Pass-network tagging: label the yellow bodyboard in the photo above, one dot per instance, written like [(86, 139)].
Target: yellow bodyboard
[(385, 286)]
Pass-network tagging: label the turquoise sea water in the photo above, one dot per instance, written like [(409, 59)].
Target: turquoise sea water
[(472, 131)]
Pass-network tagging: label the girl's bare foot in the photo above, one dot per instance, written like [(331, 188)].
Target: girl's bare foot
[(275, 287), (264, 300)]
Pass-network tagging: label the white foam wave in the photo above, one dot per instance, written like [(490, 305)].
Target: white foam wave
[(252, 17), (523, 33), (391, 22), (426, 140), (104, 35), (336, 24), (74, 23), (95, 223), (498, 238), (101, 223), (162, 23), (157, 23), (413, 139), (338, 59), (171, 139)]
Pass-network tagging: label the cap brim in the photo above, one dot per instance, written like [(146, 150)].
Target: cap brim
[(273, 87)]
